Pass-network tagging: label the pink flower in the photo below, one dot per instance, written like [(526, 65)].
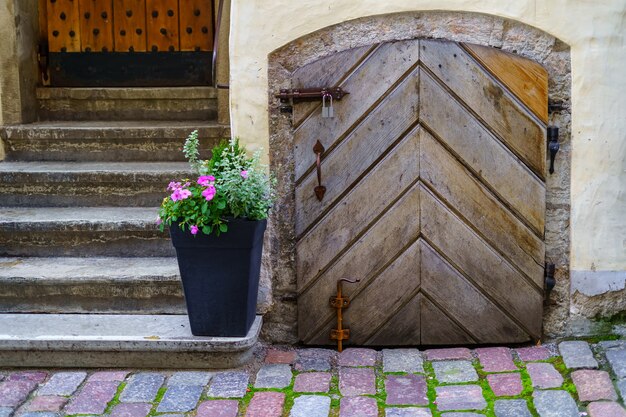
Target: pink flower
[(173, 186), (194, 230), (209, 193), (206, 180), (180, 194), (158, 221), (244, 174)]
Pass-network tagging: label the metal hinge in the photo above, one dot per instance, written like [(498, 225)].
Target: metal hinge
[(43, 60), (553, 145), (549, 279), (555, 106)]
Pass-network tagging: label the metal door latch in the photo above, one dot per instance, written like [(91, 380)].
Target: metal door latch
[(288, 96), (339, 303), (550, 281), (553, 145)]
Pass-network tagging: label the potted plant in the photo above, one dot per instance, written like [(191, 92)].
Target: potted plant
[(217, 220)]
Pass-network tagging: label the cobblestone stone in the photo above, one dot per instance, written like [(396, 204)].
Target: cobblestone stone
[(47, 403), (180, 398), (448, 354), (617, 359), (357, 381), (555, 403), (218, 408), (358, 407), (406, 390), (40, 414), (357, 357), (606, 409), (402, 360), (266, 404), (460, 397), (280, 356), (189, 378), (408, 412), (462, 414), (312, 382), (5, 411), (505, 385), (273, 376), (593, 385), (62, 383), (92, 398), (13, 393), (310, 406), (314, 359), (533, 353), (110, 376), (496, 359), (621, 387), (36, 377), (577, 354), (131, 410), (229, 385), (449, 372), (544, 375), (511, 408), (142, 387)]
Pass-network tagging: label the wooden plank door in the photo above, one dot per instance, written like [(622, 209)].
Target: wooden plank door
[(127, 43), (435, 175)]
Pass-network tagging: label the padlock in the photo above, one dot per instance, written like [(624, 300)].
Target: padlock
[(327, 111)]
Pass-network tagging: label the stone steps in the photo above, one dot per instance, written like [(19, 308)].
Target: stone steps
[(107, 141), (91, 285), (62, 184), (93, 340), (162, 103), (82, 232)]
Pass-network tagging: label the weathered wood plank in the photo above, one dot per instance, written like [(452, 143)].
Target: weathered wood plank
[(326, 72), (439, 329), (462, 191), (488, 159), (403, 329), (494, 105), (480, 263), (377, 303), (130, 25), (367, 200), (526, 79), (395, 231), (460, 299), (63, 26), (342, 167), (366, 86), (162, 25), (96, 25), (196, 25)]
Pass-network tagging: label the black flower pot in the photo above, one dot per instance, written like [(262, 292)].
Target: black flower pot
[(220, 276)]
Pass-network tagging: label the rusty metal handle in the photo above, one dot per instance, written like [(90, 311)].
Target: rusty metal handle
[(320, 190)]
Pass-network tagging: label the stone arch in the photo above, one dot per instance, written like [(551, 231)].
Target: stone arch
[(486, 30)]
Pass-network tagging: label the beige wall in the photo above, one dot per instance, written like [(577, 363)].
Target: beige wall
[(595, 31)]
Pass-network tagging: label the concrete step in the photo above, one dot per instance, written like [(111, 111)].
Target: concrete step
[(161, 103), (119, 341), (107, 141), (62, 184), (91, 285), (82, 232)]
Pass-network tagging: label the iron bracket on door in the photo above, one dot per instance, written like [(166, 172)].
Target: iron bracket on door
[(553, 145), (550, 281), (339, 303), (288, 96)]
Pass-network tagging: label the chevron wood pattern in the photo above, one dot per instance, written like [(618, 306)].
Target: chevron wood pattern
[(435, 175)]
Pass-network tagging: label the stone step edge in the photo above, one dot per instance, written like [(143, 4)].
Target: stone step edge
[(173, 336), (122, 93)]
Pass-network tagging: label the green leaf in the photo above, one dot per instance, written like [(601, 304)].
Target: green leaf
[(221, 205), (223, 227), (206, 230)]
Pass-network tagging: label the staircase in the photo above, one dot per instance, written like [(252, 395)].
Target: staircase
[(83, 267)]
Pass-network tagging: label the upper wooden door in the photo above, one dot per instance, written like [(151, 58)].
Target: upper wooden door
[(435, 175), (127, 42)]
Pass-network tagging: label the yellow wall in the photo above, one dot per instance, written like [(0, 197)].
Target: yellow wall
[(595, 31)]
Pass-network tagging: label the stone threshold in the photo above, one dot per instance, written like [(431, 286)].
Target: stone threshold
[(101, 340)]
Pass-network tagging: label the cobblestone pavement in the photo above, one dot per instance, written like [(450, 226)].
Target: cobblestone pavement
[(571, 379)]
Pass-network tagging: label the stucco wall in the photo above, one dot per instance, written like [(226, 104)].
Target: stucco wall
[(595, 32)]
